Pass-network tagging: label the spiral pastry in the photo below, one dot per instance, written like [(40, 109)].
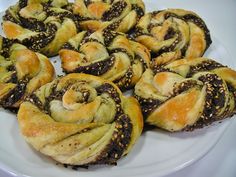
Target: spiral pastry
[(173, 30), (81, 119), (116, 15), (187, 94), (107, 54), (41, 25), (21, 72)]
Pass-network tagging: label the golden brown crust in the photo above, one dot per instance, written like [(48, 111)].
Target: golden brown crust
[(42, 26), (81, 119), (109, 55), (173, 30), (22, 71), (119, 15), (186, 93)]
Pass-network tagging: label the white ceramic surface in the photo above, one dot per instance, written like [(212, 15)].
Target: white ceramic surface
[(157, 153)]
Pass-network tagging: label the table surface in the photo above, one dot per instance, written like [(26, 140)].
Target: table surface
[(220, 17)]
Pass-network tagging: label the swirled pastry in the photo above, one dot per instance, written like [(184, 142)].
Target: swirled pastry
[(107, 54), (173, 30), (41, 25), (81, 119), (116, 15), (187, 94), (21, 72)]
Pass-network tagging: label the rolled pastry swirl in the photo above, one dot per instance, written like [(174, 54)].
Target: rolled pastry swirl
[(187, 94), (173, 30), (107, 54), (116, 15), (81, 119), (41, 25), (21, 72)]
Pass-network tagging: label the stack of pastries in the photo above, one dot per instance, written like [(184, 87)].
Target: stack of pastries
[(106, 47)]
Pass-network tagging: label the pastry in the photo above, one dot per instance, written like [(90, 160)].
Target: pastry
[(22, 71), (173, 30), (107, 54), (187, 94), (116, 15), (81, 119), (41, 25)]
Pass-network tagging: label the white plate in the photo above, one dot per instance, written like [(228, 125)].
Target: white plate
[(157, 153)]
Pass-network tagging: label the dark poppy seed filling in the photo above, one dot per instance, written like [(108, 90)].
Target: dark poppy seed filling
[(144, 64), (97, 68), (184, 86), (119, 143), (148, 105), (170, 33), (69, 47), (23, 3), (6, 45), (159, 68), (204, 66), (15, 94), (197, 21), (87, 39), (124, 82), (109, 36), (115, 11), (214, 101), (109, 89), (122, 50), (41, 40), (32, 24), (139, 10), (168, 48), (9, 17), (113, 26), (35, 100), (87, 2), (233, 91), (13, 78)]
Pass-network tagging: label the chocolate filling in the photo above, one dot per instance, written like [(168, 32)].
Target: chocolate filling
[(115, 11)]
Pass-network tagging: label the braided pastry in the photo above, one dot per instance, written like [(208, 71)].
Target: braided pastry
[(116, 15), (81, 119), (187, 94), (173, 30), (41, 25), (21, 72), (107, 54)]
